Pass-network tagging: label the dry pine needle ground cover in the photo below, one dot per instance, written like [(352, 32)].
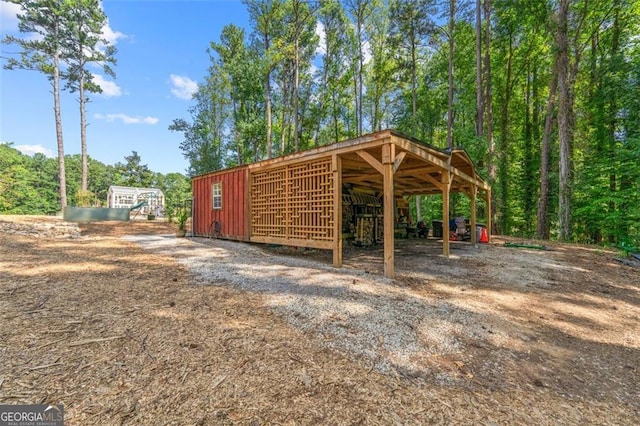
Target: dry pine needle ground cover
[(121, 335)]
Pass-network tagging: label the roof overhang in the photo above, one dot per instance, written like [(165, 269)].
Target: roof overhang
[(418, 167)]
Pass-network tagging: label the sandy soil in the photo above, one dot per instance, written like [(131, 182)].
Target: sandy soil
[(120, 334)]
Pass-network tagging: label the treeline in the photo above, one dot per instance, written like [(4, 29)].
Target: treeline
[(30, 184), (543, 95)]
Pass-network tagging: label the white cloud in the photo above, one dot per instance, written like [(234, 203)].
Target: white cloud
[(322, 36), (183, 87), (126, 119), (8, 17), (367, 53), (110, 35), (109, 88), (34, 149)]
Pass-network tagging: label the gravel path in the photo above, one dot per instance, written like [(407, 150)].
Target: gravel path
[(393, 329)]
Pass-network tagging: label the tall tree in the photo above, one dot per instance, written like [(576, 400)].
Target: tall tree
[(451, 30), (334, 96), (488, 104), (479, 85), (410, 26), (267, 17), (47, 19), (301, 18), (240, 65), (133, 173), (381, 82), (360, 10), (565, 121), (204, 143), (85, 45)]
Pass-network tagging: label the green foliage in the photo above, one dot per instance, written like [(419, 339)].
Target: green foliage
[(385, 64), (176, 189), (86, 199), (181, 215), (18, 194), (133, 172), (28, 185), (84, 44)]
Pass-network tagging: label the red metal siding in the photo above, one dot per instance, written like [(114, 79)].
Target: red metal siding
[(233, 216)]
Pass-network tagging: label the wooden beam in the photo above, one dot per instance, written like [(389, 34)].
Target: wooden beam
[(371, 160), (363, 142), (488, 198), (388, 154), (389, 242), (247, 194), (472, 195), (446, 181), (398, 161), (413, 171), (337, 211), (361, 178), (295, 242), (416, 151), (433, 180)]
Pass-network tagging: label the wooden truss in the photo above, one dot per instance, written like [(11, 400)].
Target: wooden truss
[(297, 199)]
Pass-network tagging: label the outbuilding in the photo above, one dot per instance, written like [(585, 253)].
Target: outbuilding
[(297, 199), (148, 200)]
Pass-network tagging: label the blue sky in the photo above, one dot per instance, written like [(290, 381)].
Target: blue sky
[(161, 56)]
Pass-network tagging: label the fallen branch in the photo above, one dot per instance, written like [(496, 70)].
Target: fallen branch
[(89, 341), (218, 381), (143, 344), (12, 291), (40, 367), (50, 343), (35, 310)]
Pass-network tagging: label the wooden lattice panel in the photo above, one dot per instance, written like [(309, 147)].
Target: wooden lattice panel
[(294, 202)]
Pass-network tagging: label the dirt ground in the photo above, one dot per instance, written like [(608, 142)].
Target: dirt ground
[(122, 335)]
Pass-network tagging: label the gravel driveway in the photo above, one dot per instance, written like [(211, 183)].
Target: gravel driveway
[(393, 329)]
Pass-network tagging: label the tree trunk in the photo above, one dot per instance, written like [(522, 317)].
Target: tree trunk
[(565, 125), (452, 13), (284, 140), (56, 108), (503, 155), (356, 100), (488, 99), (619, 227), (267, 94), (414, 85), (296, 83), (83, 132), (542, 228), (528, 178), (360, 78), (479, 97)]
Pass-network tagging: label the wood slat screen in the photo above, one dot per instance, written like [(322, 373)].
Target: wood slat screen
[(293, 202)]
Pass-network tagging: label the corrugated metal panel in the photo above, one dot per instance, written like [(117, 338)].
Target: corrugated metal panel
[(233, 216)]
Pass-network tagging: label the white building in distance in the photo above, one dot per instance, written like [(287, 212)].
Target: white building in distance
[(148, 200)]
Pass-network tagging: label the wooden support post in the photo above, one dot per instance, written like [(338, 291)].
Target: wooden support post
[(446, 178), (474, 192), (488, 195), (389, 243), (337, 211)]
